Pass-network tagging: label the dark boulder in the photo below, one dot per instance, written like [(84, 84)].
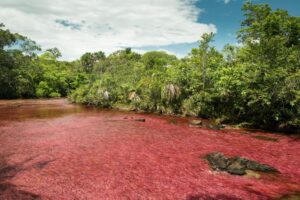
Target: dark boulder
[(236, 168), (217, 161), (255, 166), (236, 165)]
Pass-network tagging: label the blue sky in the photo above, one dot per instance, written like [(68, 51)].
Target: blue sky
[(77, 26), (227, 17)]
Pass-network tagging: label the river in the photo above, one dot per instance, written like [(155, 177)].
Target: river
[(51, 149)]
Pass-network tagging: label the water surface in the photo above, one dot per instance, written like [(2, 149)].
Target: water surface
[(65, 151)]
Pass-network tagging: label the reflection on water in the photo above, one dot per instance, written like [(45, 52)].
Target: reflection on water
[(20, 110)]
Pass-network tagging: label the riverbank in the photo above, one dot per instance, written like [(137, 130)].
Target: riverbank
[(213, 123)]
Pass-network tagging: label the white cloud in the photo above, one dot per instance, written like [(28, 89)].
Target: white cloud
[(77, 26), (141, 51), (227, 1)]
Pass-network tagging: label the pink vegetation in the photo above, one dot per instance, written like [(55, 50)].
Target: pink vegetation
[(75, 153)]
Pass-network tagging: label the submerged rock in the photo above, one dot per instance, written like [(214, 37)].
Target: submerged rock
[(236, 165), (140, 120)]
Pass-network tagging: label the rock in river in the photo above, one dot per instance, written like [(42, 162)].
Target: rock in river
[(236, 165), (196, 123)]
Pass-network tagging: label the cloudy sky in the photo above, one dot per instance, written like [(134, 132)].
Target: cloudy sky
[(79, 26)]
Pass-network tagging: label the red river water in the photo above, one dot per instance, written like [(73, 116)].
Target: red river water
[(70, 152)]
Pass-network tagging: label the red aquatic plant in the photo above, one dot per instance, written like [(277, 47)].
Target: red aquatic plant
[(90, 154)]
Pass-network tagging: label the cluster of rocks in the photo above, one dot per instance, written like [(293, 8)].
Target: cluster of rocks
[(236, 165)]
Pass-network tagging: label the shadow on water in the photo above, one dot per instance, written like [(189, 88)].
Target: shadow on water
[(262, 137), (210, 197), (9, 191), (294, 196)]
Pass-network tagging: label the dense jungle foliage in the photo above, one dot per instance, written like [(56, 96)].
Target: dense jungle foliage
[(256, 83)]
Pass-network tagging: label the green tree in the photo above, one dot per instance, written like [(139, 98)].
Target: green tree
[(16, 53), (54, 52), (204, 46), (88, 60)]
